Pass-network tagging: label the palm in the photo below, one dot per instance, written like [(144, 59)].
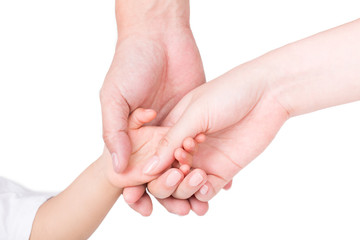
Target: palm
[(144, 141), (226, 152)]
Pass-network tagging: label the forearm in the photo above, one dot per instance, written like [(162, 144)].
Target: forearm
[(78, 210), (317, 72), (151, 15)]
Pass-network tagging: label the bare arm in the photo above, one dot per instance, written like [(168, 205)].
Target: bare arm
[(77, 211), (317, 72), (258, 97)]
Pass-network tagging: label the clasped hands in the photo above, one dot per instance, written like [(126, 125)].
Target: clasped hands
[(216, 127)]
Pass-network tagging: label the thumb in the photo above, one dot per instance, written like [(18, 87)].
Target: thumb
[(189, 125), (115, 114)]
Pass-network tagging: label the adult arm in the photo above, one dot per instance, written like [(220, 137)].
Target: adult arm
[(242, 111)]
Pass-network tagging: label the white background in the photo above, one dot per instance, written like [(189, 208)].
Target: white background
[(54, 56)]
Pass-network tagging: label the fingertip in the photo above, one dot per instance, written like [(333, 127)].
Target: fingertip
[(139, 117), (150, 115), (119, 166), (119, 147), (198, 207), (189, 144), (185, 168), (166, 184), (120, 163), (183, 156), (205, 193), (228, 185), (183, 212), (191, 184), (158, 163), (200, 138), (178, 154), (133, 194), (174, 176), (176, 206), (143, 205)]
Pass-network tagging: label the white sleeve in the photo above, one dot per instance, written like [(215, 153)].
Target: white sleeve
[(18, 207)]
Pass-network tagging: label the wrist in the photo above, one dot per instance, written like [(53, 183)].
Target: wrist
[(278, 80), (104, 165), (151, 15)]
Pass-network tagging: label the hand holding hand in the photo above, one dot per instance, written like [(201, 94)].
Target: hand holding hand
[(239, 117)]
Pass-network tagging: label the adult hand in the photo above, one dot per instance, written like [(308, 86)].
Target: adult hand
[(155, 64), (239, 117), (242, 111)]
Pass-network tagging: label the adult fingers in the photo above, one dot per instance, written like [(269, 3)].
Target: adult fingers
[(115, 112), (213, 185), (228, 185), (177, 206), (143, 205), (166, 184), (198, 207), (191, 184), (133, 194)]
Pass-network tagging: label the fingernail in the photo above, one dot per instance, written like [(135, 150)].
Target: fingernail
[(196, 179), (204, 189), (173, 178), (151, 165), (116, 163)]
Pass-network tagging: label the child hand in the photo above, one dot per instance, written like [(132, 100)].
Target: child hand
[(144, 140), (184, 155)]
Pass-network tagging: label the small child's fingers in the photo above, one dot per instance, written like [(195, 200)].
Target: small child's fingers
[(141, 116), (190, 145), (185, 169), (183, 156), (200, 138)]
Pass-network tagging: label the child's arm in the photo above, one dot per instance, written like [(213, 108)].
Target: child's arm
[(78, 210)]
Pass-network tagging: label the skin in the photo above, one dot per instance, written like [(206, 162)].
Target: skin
[(241, 111), (70, 215), (156, 63)]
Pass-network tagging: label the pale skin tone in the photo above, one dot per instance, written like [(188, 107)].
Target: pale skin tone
[(77, 211), (156, 63), (261, 111), (241, 111)]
